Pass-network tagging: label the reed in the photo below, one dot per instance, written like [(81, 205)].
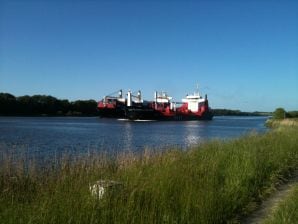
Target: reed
[(282, 123), (216, 182)]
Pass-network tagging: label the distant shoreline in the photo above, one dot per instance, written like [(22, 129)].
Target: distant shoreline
[(49, 106), (49, 115)]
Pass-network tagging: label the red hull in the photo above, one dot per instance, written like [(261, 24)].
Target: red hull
[(193, 107)]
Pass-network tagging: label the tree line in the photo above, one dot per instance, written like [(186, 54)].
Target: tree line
[(281, 113), (38, 105), (277, 114), (228, 112)]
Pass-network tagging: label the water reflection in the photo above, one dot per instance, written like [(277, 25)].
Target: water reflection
[(127, 137), (192, 133), (55, 136)]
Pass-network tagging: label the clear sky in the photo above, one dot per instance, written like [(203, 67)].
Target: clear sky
[(243, 54)]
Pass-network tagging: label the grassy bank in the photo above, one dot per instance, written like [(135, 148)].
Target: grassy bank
[(286, 211), (211, 183), (283, 123)]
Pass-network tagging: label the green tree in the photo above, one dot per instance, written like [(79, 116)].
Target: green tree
[(85, 107), (25, 105), (8, 104), (63, 106), (44, 105), (292, 114), (279, 113)]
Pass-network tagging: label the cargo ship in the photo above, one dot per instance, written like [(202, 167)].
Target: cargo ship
[(162, 107)]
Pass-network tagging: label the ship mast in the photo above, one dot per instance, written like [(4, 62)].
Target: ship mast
[(197, 93)]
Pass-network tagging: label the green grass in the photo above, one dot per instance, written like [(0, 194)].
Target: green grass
[(287, 210), (211, 183)]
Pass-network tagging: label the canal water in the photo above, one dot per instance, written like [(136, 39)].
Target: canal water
[(41, 137)]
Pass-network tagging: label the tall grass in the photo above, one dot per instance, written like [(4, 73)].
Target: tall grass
[(211, 183), (281, 123), (286, 211)]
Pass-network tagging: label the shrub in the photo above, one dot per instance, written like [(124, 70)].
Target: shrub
[(279, 113)]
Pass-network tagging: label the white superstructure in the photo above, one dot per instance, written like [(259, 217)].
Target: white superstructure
[(193, 101), (162, 97)]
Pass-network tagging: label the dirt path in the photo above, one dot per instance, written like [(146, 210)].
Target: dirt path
[(268, 205)]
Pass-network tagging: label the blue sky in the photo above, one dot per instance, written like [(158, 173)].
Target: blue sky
[(243, 54)]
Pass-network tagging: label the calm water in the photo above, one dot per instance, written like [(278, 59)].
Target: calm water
[(44, 136)]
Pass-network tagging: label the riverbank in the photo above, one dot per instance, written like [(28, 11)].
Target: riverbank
[(282, 123), (216, 182), (279, 207), (285, 212)]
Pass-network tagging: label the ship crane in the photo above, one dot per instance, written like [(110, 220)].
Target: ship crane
[(137, 98), (163, 107), (113, 96)]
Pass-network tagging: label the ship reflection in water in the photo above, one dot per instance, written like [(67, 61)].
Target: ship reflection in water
[(192, 134), (127, 137), (50, 137)]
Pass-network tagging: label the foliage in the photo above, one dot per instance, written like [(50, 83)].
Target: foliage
[(210, 183), (227, 112), (44, 105), (292, 114), (8, 103), (279, 113)]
